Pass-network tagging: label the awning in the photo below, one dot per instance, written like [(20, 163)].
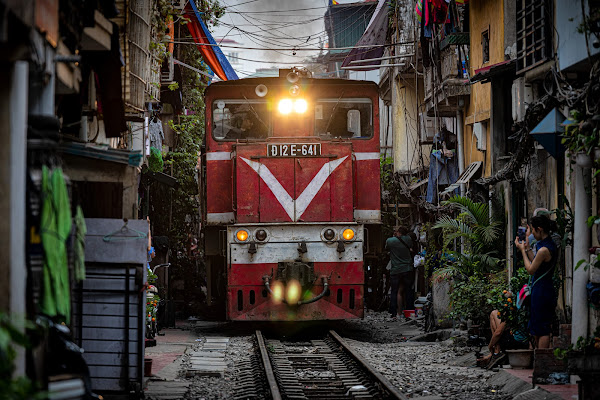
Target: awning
[(548, 131), (485, 74), (102, 152), (212, 53), (375, 36)]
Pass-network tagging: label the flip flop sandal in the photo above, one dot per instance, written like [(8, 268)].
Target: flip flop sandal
[(497, 359)]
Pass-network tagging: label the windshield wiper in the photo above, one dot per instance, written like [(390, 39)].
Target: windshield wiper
[(255, 113), (333, 112)]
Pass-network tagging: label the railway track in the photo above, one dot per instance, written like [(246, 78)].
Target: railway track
[(324, 368)]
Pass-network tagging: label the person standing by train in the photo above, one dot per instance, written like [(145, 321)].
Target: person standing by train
[(402, 272)]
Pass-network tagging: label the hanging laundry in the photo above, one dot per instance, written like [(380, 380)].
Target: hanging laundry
[(55, 226), (439, 11), (155, 130), (419, 10), (443, 164)]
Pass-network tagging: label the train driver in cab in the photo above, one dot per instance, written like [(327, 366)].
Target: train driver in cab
[(241, 125)]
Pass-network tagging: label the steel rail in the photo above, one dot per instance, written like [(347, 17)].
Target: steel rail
[(387, 385), (272, 382)]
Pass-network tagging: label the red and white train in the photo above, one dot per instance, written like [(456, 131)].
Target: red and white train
[(290, 195)]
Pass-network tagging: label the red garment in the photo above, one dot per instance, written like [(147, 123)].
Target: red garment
[(439, 11)]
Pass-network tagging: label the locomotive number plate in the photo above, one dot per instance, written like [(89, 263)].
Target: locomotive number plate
[(294, 150)]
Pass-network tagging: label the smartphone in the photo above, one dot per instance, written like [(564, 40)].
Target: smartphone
[(521, 233)]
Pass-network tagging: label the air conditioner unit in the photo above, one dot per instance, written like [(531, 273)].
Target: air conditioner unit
[(522, 96), (480, 132), (428, 127)]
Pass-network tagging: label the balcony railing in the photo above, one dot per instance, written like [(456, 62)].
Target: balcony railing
[(446, 82)]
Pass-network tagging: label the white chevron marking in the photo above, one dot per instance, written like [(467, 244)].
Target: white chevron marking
[(306, 197)]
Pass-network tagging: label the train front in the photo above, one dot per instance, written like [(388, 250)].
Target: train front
[(292, 192)]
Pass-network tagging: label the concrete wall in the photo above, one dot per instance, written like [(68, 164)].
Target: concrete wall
[(407, 148), (92, 170)]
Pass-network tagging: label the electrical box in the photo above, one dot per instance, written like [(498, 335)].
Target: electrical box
[(428, 128)]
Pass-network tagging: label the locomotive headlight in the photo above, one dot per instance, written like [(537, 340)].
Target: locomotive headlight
[(348, 234), (293, 292), (285, 106), (242, 235), (278, 289), (300, 106)]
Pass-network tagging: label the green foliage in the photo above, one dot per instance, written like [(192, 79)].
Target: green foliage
[(182, 160), (469, 298), (582, 134), (479, 233), (20, 387), (586, 264), (583, 346), (386, 165)]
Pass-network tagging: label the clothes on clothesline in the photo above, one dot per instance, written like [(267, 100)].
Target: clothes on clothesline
[(443, 164), (55, 227), (442, 171), (155, 130)]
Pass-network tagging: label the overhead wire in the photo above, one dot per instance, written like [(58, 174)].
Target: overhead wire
[(315, 36)]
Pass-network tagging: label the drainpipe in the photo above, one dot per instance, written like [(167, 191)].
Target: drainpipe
[(459, 143), (581, 244), (18, 109)]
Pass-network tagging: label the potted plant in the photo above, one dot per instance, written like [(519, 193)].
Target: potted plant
[(584, 360), (516, 319), (582, 138)]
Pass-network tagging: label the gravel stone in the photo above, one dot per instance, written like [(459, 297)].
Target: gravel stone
[(211, 388), (418, 369)]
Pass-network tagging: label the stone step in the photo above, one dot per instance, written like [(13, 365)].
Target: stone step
[(166, 390), (206, 354)]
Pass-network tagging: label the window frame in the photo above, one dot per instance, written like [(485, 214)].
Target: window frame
[(363, 100)]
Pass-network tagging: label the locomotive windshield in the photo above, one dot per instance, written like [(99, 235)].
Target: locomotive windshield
[(343, 118), (334, 118), (240, 119)]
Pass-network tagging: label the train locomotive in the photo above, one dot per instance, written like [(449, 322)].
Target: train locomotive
[(290, 195)]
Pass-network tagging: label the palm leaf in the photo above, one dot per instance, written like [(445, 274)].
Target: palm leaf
[(489, 233), (477, 212), (453, 225)]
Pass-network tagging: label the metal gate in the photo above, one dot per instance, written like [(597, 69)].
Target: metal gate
[(109, 309)]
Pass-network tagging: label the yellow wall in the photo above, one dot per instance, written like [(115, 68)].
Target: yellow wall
[(406, 136), (483, 15)]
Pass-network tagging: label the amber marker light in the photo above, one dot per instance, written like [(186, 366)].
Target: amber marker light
[(242, 235), (293, 292), (348, 234), (285, 106), (300, 106)]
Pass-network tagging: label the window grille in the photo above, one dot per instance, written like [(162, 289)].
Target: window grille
[(534, 33)]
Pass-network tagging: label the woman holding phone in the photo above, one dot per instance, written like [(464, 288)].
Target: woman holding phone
[(540, 266)]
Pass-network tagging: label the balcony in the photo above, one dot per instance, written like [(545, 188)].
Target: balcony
[(446, 83)]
